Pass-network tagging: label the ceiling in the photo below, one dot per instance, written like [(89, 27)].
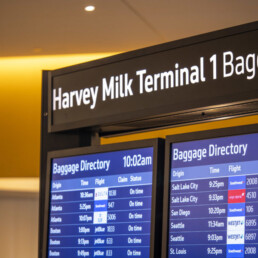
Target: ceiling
[(43, 27)]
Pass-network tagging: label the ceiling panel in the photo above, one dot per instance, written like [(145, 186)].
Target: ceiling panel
[(35, 27), (176, 19)]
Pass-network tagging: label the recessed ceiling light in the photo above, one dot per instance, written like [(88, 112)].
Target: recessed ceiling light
[(89, 8)]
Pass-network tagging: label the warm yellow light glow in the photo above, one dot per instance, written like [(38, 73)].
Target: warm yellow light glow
[(20, 105), (19, 184), (49, 62), (89, 8)]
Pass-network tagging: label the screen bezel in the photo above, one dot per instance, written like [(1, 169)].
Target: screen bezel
[(187, 137), (157, 184)]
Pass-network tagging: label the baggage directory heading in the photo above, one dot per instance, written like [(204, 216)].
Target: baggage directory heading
[(100, 204), (213, 198)]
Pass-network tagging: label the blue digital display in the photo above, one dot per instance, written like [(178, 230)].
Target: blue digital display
[(213, 198), (100, 204)]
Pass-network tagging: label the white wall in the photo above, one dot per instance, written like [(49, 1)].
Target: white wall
[(18, 224)]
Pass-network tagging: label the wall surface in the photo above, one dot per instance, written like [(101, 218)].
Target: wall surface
[(19, 225), (20, 105)]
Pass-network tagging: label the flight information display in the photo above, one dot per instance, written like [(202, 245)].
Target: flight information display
[(100, 204), (213, 205)]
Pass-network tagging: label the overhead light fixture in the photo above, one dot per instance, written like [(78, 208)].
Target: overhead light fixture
[(89, 8)]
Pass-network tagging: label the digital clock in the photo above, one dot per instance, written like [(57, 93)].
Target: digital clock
[(136, 160)]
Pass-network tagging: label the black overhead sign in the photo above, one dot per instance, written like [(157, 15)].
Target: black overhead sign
[(208, 70)]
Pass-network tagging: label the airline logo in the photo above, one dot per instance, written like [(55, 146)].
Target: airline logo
[(235, 238), (236, 209), (235, 251), (236, 196), (100, 217), (101, 194), (236, 224), (238, 182), (100, 205)]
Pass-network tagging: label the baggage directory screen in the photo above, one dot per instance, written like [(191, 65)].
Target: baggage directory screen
[(213, 198), (100, 204)]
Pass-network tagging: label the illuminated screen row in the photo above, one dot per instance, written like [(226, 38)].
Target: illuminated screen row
[(107, 202)]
